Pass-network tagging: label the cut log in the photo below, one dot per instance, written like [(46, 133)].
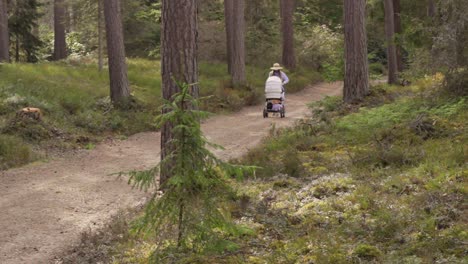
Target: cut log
[(30, 112)]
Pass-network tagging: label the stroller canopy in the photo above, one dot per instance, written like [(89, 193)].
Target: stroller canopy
[(273, 88)]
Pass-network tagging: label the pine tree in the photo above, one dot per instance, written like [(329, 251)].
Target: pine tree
[(60, 44), (228, 13), (191, 208), (287, 8), (119, 85), (4, 33), (391, 48), (238, 44), (179, 33), (356, 82), (398, 33), (22, 23)]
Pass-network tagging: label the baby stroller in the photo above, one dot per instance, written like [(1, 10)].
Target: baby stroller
[(274, 98)]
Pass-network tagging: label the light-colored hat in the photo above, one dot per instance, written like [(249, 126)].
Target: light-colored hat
[(276, 67)]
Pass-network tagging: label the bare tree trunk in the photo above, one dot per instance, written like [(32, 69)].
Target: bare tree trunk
[(4, 33), (228, 13), (238, 43), (287, 8), (356, 83), (391, 49), (17, 50), (119, 86), (431, 8), (60, 44), (398, 32), (179, 62), (100, 36)]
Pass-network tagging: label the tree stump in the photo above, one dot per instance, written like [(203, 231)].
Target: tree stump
[(31, 113)]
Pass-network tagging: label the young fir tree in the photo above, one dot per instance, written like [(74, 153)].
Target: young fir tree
[(191, 208)]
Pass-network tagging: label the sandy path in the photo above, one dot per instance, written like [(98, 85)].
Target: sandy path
[(44, 207)]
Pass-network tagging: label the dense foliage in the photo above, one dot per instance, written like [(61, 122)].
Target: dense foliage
[(22, 24)]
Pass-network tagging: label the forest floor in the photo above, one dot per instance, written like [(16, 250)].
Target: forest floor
[(47, 205), (382, 181)]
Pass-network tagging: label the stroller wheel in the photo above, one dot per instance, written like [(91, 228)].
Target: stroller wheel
[(265, 114), (283, 113)]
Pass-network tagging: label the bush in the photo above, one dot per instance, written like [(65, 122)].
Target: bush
[(376, 69), (322, 46), (292, 164), (456, 82), (30, 130), (367, 252)]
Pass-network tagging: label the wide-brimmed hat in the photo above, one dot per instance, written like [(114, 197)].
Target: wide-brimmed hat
[(276, 67)]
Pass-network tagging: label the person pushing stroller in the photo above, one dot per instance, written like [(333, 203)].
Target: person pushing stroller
[(277, 71), (275, 92)]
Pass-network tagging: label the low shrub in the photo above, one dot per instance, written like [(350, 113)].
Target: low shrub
[(456, 82)]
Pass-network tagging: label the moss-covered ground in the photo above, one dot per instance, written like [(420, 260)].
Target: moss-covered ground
[(384, 181)]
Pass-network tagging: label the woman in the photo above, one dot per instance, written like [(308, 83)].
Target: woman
[(276, 71)]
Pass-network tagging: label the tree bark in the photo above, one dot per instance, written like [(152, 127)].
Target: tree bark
[(391, 48), (228, 21), (431, 8), (119, 85), (60, 44), (287, 8), (100, 36), (4, 33), (238, 44), (356, 83), (398, 32), (179, 62)]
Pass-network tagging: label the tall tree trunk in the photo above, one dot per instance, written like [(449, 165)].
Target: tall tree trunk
[(431, 8), (179, 62), (287, 8), (398, 32), (119, 86), (4, 33), (17, 48), (100, 36), (228, 21), (391, 48), (238, 43), (356, 83), (60, 44)]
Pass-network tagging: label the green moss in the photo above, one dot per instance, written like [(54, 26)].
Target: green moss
[(367, 252)]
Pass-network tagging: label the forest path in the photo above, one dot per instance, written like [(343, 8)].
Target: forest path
[(44, 207)]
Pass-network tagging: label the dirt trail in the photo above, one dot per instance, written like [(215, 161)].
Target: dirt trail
[(44, 207)]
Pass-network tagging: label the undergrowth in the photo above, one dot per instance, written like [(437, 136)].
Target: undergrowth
[(386, 181), (372, 183)]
